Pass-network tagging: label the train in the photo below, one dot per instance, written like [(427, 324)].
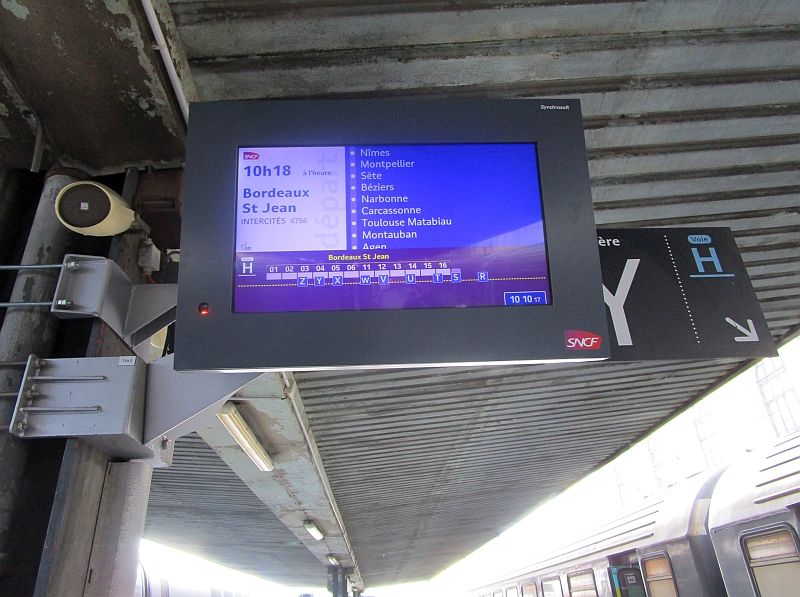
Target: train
[(732, 532)]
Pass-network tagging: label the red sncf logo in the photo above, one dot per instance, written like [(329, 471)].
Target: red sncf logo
[(249, 155), (578, 340)]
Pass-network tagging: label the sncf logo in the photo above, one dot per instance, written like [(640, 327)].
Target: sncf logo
[(578, 340), (249, 155)]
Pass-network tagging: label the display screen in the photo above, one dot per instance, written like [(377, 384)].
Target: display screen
[(389, 227)]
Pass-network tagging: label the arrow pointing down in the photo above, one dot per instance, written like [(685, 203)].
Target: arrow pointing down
[(749, 335)]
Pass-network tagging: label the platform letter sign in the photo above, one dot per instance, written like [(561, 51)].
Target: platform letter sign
[(679, 293)]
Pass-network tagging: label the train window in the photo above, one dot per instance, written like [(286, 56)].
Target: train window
[(512, 592), (551, 587), (774, 561), (581, 584), (530, 590), (497, 594), (658, 576)]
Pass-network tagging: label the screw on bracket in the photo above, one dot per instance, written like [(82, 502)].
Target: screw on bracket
[(22, 425)]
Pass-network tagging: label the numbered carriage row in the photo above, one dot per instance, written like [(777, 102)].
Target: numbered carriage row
[(441, 267), (356, 274)]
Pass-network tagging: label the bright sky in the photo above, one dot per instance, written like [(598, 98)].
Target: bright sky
[(733, 404)]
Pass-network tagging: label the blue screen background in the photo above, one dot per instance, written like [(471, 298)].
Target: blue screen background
[(486, 190)]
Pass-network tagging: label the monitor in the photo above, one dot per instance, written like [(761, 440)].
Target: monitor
[(376, 233)]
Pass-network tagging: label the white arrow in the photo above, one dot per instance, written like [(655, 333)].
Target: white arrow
[(749, 335)]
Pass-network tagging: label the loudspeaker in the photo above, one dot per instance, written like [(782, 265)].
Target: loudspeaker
[(92, 209)]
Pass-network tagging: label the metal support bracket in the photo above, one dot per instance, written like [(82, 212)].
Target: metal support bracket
[(178, 402), (100, 400), (97, 287), (122, 405)]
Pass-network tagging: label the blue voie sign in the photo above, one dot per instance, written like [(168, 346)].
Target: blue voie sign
[(679, 293)]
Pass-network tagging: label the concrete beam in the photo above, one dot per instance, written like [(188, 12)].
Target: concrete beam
[(693, 160), (298, 489), (120, 522), (176, 50), (714, 187), (267, 29), (91, 74), (538, 64), (17, 125), (68, 545), (664, 134), (711, 213), (719, 96)]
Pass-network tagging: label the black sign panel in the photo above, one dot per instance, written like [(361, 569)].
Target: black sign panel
[(679, 293)]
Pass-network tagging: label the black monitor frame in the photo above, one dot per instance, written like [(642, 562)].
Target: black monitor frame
[(223, 340)]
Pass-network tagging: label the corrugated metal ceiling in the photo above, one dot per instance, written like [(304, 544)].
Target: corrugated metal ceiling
[(692, 117), (200, 506), (428, 465)]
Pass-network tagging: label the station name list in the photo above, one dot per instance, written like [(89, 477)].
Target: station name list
[(388, 206)]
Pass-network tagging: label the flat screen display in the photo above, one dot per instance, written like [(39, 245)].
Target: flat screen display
[(390, 232), (363, 227)]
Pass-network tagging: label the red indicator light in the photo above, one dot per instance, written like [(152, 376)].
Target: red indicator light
[(203, 309)]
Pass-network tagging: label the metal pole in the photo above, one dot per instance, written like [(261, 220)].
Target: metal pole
[(26, 330), (333, 581), (26, 267), (29, 304)]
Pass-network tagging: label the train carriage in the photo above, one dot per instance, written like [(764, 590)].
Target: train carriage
[(754, 523), (733, 532), (666, 538)]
